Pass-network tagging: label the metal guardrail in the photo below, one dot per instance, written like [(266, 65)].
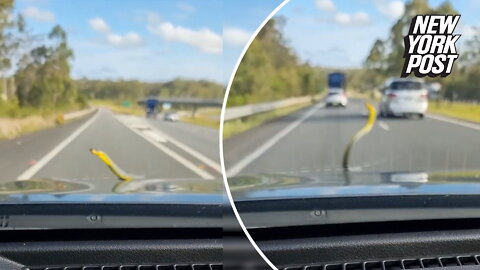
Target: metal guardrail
[(249, 110)]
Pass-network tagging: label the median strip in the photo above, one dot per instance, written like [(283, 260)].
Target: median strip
[(129, 121)]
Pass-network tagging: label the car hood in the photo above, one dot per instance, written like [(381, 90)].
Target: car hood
[(151, 190), (314, 185)]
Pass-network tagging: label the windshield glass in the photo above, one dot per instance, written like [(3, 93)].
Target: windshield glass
[(405, 86), (295, 140), (115, 101)]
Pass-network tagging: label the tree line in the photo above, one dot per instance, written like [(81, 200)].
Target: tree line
[(271, 70), (386, 57), (34, 69), (133, 90)]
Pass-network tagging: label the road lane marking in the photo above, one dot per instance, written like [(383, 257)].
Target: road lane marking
[(145, 125), (155, 136), (383, 125), (30, 172), (454, 121), (207, 161), (235, 169), (180, 159)]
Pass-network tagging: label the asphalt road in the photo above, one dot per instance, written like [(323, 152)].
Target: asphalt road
[(314, 140), (146, 149)]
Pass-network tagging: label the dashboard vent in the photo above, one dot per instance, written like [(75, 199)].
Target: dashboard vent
[(397, 264), (132, 267), (4, 221)]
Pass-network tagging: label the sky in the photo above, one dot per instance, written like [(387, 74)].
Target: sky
[(167, 39), (151, 40), (340, 34)]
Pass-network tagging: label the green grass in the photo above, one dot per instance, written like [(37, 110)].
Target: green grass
[(207, 117), (12, 110), (464, 111), (237, 126)]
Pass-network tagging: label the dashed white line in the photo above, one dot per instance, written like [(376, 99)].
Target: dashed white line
[(50, 155), (185, 162), (383, 125), (235, 169), (207, 161)]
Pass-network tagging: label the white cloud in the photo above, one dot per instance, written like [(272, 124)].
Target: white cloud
[(204, 39), (391, 9), (236, 36), (128, 40), (325, 5), (469, 31), (38, 14), (357, 18), (186, 7), (99, 25)]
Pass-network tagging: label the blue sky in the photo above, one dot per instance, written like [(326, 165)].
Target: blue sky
[(339, 33), (151, 40), (165, 39)]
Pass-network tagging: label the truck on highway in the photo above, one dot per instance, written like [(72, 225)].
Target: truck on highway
[(337, 85)]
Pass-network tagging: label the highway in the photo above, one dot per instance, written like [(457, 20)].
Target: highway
[(144, 148), (314, 139)]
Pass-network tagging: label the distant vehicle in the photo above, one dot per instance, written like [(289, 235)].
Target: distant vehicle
[(404, 97), (151, 108), (170, 117), (336, 97), (337, 80), (336, 90)]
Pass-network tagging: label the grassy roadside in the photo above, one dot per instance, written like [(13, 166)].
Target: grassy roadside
[(459, 110), (16, 121), (13, 127), (116, 107), (207, 117), (237, 126)]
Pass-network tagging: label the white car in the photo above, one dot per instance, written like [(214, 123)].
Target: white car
[(404, 97), (336, 97), (170, 116)]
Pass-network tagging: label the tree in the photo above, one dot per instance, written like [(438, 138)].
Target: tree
[(43, 77), (386, 56), (270, 70)]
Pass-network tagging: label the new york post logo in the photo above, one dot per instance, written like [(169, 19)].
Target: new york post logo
[(430, 48)]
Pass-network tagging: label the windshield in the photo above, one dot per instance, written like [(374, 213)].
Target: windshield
[(405, 86), (295, 141), (97, 104)]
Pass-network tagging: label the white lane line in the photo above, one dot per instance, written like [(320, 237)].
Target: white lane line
[(30, 172), (155, 136), (383, 125), (185, 162), (454, 121), (207, 161), (235, 169)]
